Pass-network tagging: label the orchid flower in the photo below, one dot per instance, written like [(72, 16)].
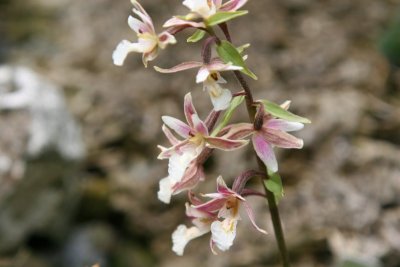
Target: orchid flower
[(148, 41), (209, 75), (183, 172), (201, 225), (203, 9), (219, 215), (272, 133)]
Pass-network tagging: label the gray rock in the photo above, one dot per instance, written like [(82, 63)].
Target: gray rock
[(37, 192)]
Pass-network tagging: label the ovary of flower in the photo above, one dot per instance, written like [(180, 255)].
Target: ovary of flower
[(148, 41), (209, 75)]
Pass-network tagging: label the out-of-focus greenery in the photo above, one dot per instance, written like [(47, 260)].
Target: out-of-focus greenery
[(351, 263), (390, 42)]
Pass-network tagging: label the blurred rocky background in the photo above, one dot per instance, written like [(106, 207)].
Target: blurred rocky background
[(78, 135)]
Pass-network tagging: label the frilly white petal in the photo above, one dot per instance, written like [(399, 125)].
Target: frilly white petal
[(223, 233), (165, 192), (222, 101), (182, 235), (123, 49), (178, 164)]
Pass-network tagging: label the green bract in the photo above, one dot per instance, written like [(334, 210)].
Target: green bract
[(229, 54), (228, 114), (196, 36), (274, 185), (279, 112), (224, 16)]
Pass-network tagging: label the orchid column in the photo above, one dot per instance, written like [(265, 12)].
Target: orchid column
[(194, 141)]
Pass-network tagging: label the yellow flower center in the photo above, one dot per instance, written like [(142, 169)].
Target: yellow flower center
[(197, 139)]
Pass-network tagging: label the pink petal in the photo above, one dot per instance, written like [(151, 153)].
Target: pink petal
[(286, 126), (192, 176), (181, 22), (212, 205), (237, 131), (265, 152), (250, 213), (222, 188), (142, 14), (217, 65), (166, 153), (193, 199), (171, 138), (233, 5), (183, 66), (178, 126), (199, 125), (189, 109), (225, 144), (217, 3), (281, 139)]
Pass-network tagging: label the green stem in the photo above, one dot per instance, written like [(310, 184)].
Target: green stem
[(273, 207)]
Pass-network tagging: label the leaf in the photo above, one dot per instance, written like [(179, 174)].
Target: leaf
[(224, 16), (229, 54), (196, 36), (279, 112), (274, 185), (228, 114)]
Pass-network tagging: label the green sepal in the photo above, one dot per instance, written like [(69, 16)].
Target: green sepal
[(279, 112), (224, 16), (236, 101), (274, 185), (229, 54), (196, 36)]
